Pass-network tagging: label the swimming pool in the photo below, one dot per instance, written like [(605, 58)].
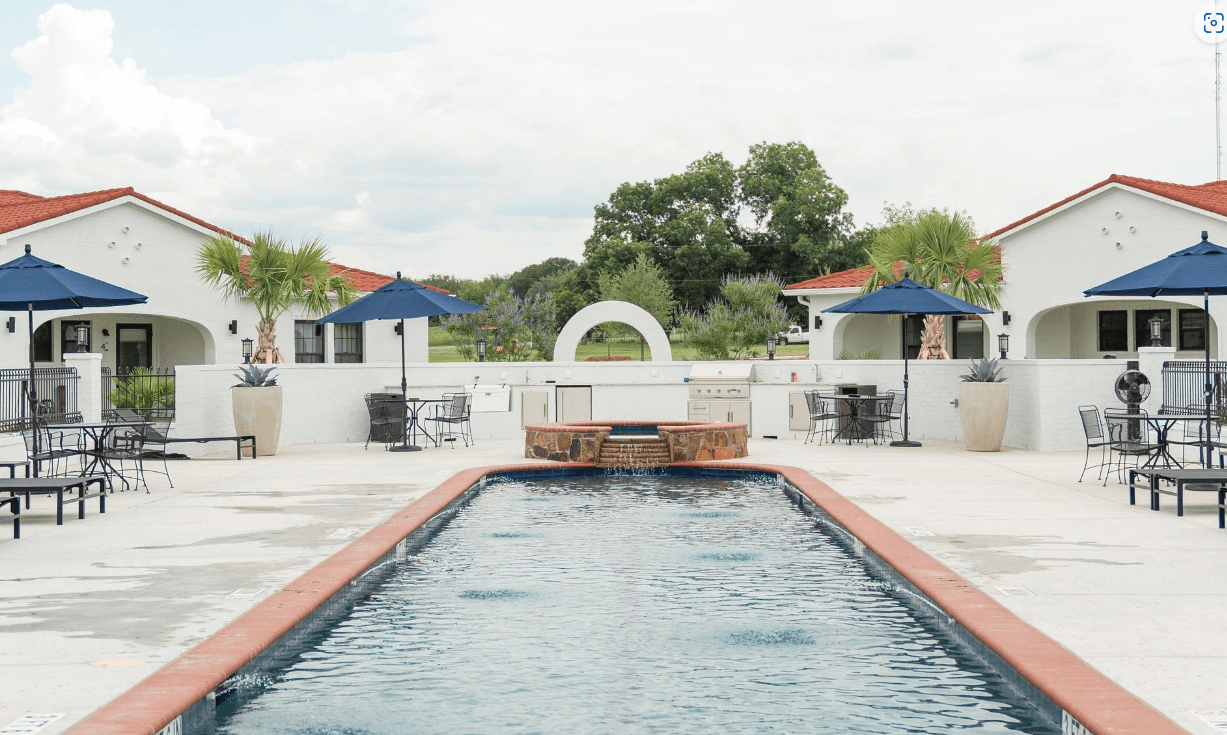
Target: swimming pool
[(630, 604)]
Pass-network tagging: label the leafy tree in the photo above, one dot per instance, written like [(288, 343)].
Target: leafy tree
[(444, 281), (526, 280), (740, 321), (272, 276), (938, 249), (516, 328), (644, 285)]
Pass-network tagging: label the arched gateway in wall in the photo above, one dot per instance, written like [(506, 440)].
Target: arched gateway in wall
[(612, 311)]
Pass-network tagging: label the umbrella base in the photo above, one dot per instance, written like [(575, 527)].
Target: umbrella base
[(904, 443), (404, 448)]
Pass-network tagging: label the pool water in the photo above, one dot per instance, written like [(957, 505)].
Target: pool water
[(631, 605)]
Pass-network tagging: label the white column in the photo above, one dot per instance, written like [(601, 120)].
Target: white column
[(1150, 362), (89, 387)]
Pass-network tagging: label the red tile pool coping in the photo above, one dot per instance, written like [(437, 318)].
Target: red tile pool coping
[(1099, 704)]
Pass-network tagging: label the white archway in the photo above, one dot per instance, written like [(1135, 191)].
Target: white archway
[(612, 311)]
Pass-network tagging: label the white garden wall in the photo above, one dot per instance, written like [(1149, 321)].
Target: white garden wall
[(324, 403)]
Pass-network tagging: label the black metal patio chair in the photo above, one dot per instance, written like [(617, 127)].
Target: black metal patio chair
[(1096, 438), (453, 411), (387, 418), (1129, 438), (55, 449), (822, 412)]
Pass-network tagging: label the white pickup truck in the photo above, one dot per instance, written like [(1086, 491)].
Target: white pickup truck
[(793, 335)]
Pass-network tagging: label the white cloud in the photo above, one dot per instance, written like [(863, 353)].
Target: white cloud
[(484, 143)]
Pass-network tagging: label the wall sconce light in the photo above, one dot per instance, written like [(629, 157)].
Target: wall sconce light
[(83, 336), (396, 328), (247, 350), (817, 322), (481, 350), (234, 326), (106, 332), (1003, 344), (1005, 318), (771, 348), (1156, 330), (12, 324)]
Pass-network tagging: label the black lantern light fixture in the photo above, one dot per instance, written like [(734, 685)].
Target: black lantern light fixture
[(1003, 344), (82, 336), (771, 348), (247, 342), (1156, 330), (481, 349)]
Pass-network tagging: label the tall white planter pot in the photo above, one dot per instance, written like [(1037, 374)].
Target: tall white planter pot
[(258, 411), (982, 410)]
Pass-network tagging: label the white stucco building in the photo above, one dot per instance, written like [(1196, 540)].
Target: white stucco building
[(128, 239), (1049, 258)]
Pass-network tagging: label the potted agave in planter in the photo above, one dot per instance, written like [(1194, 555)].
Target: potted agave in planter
[(984, 400), (257, 407)]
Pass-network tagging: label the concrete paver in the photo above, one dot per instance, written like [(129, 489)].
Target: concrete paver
[(90, 608)]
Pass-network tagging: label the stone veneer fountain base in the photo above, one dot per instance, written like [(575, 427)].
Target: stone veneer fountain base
[(635, 443)]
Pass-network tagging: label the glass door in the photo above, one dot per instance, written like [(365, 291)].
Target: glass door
[(135, 347)]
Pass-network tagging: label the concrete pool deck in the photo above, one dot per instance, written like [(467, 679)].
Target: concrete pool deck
[(90, 608)]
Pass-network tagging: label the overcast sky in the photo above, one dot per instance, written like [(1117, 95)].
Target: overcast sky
[(476, 137)]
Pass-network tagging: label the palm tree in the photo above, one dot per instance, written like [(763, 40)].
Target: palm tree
[(272, 276), (939, 250)]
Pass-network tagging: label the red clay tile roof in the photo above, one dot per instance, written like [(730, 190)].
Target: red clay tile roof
[(1211, 196), (20, 209), (853, 278)]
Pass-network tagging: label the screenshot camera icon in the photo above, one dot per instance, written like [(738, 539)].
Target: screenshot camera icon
[(1210, 22)]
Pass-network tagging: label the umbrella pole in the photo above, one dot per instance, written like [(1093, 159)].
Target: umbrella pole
[(33, 393), (1209, 418), (904, 442), (405, 446)]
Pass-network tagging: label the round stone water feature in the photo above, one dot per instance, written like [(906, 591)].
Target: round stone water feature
[(635, 443)]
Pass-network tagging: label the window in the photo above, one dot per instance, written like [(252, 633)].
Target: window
[(968, 337), (1141, 326), (1192, 329), (42, 343), (308, 342), (913, 328), (1113, 331), (347, 342)]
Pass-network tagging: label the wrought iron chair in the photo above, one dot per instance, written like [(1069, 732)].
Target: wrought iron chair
[(822, 412), (121, 455), (879, 415), (387, 415), (895, 412), (1129, 436), (1096, 438), (453, 411), (155, 434), (54, 449)]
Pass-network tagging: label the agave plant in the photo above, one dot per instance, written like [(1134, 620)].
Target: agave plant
[(253, 376), (984, 370)]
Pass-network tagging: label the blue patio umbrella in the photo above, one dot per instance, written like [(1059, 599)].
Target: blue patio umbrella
[(401, 300), (1199, 270), (904, 297), (32, 284)]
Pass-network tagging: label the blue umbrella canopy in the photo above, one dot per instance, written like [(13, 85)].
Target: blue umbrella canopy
[(906, 296), (400, 300), (33, 283), (1199, 270)]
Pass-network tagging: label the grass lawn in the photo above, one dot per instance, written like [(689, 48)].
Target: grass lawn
[(442, 349)]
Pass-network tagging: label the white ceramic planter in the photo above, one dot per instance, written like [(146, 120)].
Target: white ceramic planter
[(982, 410), (258, 411)]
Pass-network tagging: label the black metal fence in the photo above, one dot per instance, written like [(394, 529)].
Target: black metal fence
[(55, 389), (150, 393), (1184, 386)]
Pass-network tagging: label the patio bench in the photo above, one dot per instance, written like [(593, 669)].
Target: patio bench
[(245, 441), (13, 464), (1183, 479), (15, 502), (58, 486)]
